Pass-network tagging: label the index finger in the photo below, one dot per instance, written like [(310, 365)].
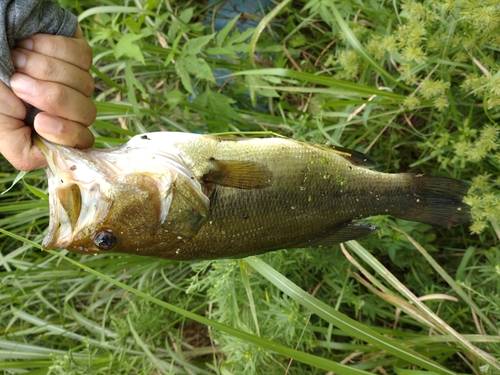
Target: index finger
[(74, 51)]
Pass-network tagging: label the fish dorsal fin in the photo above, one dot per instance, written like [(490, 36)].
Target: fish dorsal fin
[(355, 157), (238, 174)]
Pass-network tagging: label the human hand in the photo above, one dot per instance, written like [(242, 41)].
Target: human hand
[(52, 75)]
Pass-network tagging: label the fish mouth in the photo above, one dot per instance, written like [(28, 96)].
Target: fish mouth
[(75, 199), (84, 186), (65, 208)]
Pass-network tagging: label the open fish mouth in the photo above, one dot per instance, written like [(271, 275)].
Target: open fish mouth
[(72, 182), (88, 187)]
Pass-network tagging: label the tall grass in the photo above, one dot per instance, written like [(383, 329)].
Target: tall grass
[(413, 84)]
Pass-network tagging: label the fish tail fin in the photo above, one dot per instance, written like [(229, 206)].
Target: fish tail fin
[(438, 201)]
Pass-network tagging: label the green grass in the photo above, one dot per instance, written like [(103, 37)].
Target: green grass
[(414, 85)]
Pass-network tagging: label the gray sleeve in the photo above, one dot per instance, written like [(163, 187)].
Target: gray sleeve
[(20, 19)]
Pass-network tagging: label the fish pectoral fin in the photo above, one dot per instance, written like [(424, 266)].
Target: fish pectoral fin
[(345, 232), (238, 174)]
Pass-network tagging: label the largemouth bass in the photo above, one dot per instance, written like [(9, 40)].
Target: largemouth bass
[(186, 196)]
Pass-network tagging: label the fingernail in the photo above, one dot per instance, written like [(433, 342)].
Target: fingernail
[(48, 125), (18, 58), (25, 43), (22, 84)]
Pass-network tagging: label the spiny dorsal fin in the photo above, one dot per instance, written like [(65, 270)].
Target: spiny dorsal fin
[(355, 157), (238, 174)]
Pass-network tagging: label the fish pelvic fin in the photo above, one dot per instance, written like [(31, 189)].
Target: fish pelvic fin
[(438, 201)]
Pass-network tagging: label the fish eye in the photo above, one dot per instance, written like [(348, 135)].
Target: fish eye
[(105, 240)]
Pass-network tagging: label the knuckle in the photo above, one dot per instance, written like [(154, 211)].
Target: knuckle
[(86, 55), (46, 70), (52, 96), (89, 85), (74, 51), (52, 46), (87, 58), (90, 114)]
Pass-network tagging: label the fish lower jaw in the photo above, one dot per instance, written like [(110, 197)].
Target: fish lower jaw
[(59, 233), (49, 244), (66, 243)]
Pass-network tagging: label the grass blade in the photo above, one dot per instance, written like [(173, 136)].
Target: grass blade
[(431, 316), (264, 343), (338, 319)]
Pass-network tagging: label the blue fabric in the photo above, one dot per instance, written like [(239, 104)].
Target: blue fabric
[(251, 12)]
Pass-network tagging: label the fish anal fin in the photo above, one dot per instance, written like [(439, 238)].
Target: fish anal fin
[(345, 232), (238, 174)]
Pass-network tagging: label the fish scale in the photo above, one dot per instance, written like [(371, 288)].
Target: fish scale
[(187, 196), (322, 199)]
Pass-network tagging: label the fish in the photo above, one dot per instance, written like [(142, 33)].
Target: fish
[(184, 196)]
